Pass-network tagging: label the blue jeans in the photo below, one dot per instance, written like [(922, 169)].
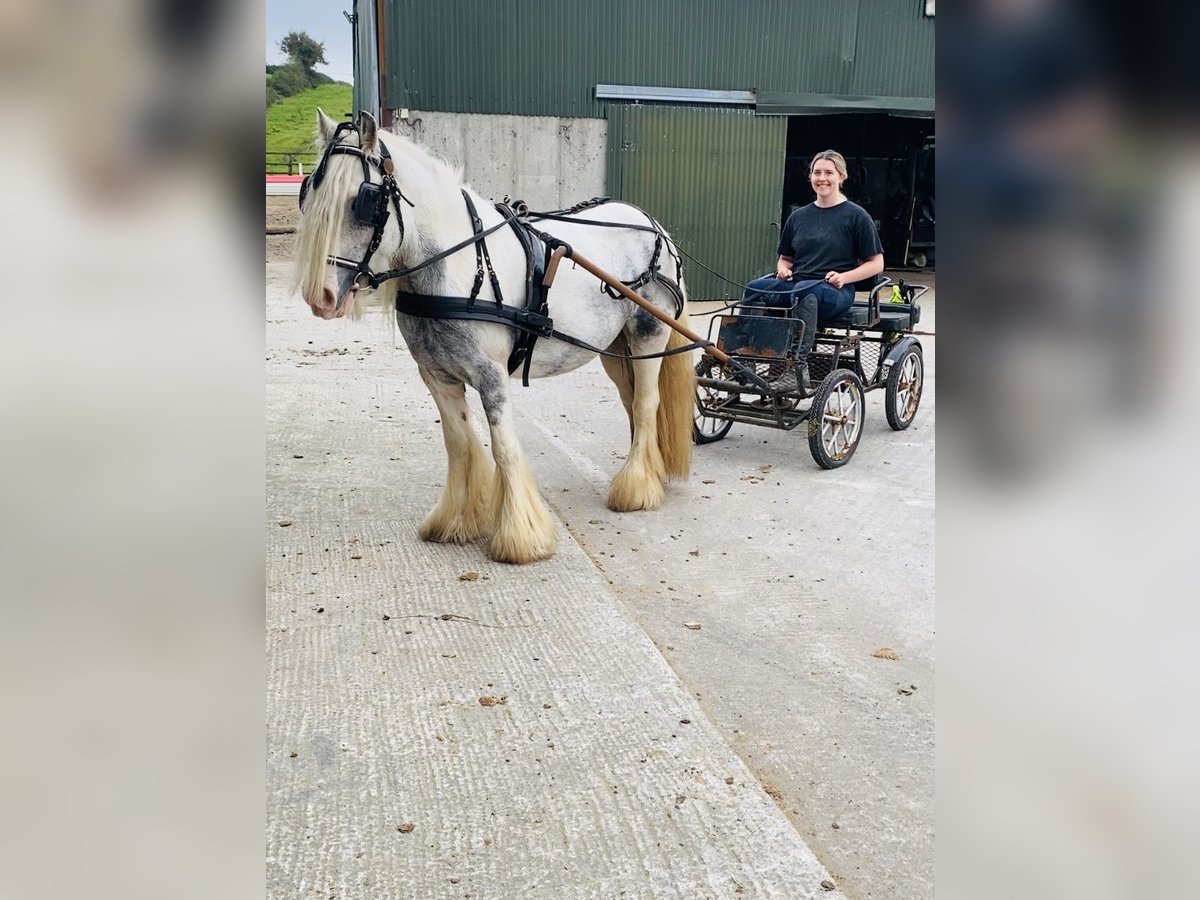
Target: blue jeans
[(831, 301), (810, 300)]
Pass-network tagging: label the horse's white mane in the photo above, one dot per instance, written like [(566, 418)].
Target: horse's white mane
[(321, 222)]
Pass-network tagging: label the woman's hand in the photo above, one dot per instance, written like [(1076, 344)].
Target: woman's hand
[(783, 273), (837, 279)]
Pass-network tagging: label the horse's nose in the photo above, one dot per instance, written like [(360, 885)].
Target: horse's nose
[(326, 306), (324, 303)]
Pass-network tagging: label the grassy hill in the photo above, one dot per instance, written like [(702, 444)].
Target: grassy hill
[(292, 121)]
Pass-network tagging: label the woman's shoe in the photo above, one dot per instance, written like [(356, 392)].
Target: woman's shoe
[(802, 377)]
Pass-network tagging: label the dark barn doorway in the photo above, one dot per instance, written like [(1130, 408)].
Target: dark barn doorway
[(891, 163)]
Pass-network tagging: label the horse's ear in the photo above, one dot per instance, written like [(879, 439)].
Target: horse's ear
[(367, 129), (325, 127)]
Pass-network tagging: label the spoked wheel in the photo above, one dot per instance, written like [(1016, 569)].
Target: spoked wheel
[(706, 430), (835, 420), (905, 382)]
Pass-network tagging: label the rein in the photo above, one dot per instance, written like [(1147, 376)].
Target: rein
[(379, 278)]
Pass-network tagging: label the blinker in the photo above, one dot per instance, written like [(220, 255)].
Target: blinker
[(367, 204)]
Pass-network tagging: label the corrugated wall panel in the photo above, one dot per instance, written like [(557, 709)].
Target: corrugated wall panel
[(713, 177), (545, 57), (904, 61)]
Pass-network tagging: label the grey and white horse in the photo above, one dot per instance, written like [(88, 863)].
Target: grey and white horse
[(658, 393)]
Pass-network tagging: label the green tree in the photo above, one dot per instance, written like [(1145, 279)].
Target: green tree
[(303, 50), (288, 80)]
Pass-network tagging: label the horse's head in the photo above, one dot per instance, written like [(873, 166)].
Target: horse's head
[(350, 224)]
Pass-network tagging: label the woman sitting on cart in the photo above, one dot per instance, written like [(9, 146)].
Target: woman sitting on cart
[(824, 249)]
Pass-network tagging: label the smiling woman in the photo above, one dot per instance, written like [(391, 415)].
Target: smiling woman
[(825, 248)]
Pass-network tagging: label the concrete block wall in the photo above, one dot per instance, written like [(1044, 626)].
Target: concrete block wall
[(549, 162)]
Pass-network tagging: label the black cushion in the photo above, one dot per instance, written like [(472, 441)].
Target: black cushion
[(892, 317)]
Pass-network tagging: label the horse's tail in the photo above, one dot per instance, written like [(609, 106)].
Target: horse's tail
[(676, 406)]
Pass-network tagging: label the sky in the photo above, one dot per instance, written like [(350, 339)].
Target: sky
[(324, 22)]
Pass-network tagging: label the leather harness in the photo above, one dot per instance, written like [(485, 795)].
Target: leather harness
[(532, 321)]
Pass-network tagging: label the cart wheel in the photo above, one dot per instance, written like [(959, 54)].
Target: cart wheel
[(835, 420), (707, 430), (904, 385)]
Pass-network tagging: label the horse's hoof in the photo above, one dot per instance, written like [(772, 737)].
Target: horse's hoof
[(633, 506), (449, 532), (649, 494), (519, 554)]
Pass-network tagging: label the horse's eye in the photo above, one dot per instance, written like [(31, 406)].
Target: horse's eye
[(303, 191)]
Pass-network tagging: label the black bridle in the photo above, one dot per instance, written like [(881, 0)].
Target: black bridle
[(370, 206)]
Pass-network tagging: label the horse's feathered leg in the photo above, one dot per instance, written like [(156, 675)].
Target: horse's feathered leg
[(639, 484), (463, 512), (660, 411), (524, 531)]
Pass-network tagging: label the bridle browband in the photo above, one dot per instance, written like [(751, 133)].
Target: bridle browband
[(370, 206)]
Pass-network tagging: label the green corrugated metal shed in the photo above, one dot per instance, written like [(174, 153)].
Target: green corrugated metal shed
[(713, 177), (537, 57)]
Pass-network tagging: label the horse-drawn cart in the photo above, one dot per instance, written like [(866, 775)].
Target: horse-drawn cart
[(870, 346)]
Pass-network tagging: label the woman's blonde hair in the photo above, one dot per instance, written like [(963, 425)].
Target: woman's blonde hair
[(839, 162)]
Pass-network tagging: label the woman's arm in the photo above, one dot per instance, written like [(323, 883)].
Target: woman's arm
[(783, 268), (872, 266)]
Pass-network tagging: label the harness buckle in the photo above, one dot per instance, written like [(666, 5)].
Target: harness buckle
[(542, 326)]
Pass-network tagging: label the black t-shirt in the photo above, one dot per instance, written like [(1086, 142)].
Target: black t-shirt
[(835, 238)]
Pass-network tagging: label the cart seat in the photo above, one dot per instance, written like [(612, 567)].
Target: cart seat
[(892, 317)]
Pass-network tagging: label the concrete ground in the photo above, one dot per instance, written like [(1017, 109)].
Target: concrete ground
[(556, 730)]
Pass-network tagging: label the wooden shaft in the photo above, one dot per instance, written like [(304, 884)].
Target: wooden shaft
[(588, 266), (552, 266)]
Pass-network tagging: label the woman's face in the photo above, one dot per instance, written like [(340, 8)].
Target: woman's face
[(826, 181)]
